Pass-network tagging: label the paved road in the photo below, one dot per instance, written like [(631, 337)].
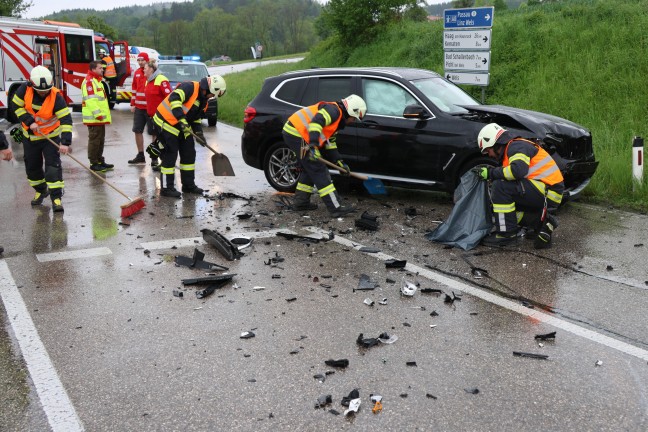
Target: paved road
[(97, 341)]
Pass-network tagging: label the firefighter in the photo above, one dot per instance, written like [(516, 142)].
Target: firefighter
[(527, 188), (138, 108), (110, 73), (158, 87), (43, 113), (177, 117), (96, 115), (5, 151), (310, 130)]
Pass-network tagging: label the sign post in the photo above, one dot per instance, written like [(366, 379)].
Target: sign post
[(466, 45)]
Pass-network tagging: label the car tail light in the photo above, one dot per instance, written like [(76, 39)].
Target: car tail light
[(249, 114)]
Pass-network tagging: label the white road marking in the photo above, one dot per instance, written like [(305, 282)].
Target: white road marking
[(506, 304), (58, 408), (83, 253)]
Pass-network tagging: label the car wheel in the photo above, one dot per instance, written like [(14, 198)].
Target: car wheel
[(211, 120), (280, 167)]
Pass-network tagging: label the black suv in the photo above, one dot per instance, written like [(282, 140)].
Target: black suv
[(420, 129)]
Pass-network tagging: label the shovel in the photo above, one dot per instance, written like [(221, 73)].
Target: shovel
[(220, 163), (373, 186)]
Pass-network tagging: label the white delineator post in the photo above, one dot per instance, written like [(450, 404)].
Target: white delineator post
[(637, 159)]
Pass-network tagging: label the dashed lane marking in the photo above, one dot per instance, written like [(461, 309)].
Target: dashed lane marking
[(58, 408), (506, 304), (83, 253)]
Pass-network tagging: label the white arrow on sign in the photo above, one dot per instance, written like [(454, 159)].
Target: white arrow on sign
[(480, 79), (467, 60)]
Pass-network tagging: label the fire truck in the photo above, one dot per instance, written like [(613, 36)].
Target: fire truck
[(66, 49)]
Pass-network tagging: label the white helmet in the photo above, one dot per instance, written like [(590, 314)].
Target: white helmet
[(102, 52), (41, 78), (355, 106), (489, 135), (216, 85)]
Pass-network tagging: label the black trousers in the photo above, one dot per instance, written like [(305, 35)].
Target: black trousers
[(51, 174)]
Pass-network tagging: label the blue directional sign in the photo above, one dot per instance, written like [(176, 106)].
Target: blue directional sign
[(468, 17)]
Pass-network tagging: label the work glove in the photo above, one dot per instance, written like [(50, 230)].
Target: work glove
[(17, 134), (201, 138), (185, 129), (314, 152), (345, 167), (154, 149), (483, 172)]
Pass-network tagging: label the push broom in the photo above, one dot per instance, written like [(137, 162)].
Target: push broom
[(128, 209)]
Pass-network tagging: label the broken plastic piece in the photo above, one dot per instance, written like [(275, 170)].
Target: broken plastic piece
[(323, 401), (598, 363), (197, 262), (430, 396), (408, 288), (366, 342), (342, 363), (178, 293), (289, 236), (368, 302), (243, 216), (320, 377), (224, 246), (247, 335), (209, 290), (377, 405), (369, 249), (353, 404), (366, 283), (473, 390), (410, 363), (545, 336), (383, 301), (216, 279), (392, 263), (386, 339), (242, 242), (478, 273), (431, 291), (530, 355)]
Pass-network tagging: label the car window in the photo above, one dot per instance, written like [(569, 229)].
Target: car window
[(184, 72), (385, 97), (291, 91), (445, 95), (326, 89)]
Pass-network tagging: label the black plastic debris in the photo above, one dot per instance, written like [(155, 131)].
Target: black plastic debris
[(197, 262), (434, 313), (430, 396), (274, 260), (431, 291), (247, 335), (244, 216), (473, 390), (354, 394), (369, 249), (178, 293), (241, 242), (222, 245), (410, 363), (545, 336), (216, 279), (367, 222), (323, 401), (291, 299), (289, 236), (451, 300), (478, 273), (320, 377), (334, 412), (209, 290), (403, 395), (411, 212), (393, 263), (341, 363), (221, 196), (365, 283), (530, 355), (390, 281), (369, 342)]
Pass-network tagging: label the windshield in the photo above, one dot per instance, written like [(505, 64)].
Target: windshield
[(180, 72), (446, 96)]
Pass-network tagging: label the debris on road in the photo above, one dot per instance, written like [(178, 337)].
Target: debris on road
[(215, 280), (410, 363), (383, 301), (530, 355), (365, 283), (393, 263), (451, 300), (242, 242), (545, 336), (197, 262), (368, 302), (341, 363), (178, 293), (473, 390), (352, 401), (222, 245), (369, 342), (247, 335), (208, 291), (431, 291), (478, 273), (369, 249), (408, 288), (377, 400), (598, 363), (289, 236), (323, 401)]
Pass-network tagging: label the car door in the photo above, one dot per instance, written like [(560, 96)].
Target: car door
[(331, 89), (390, 145)]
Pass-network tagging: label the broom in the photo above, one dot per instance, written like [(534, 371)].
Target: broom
[(128, 209)]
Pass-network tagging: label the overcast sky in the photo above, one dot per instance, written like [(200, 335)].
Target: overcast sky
[(46, 7)]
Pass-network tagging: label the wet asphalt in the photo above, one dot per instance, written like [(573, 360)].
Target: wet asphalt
[(132, 356)]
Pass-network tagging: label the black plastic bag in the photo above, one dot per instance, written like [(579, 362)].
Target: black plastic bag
[(471, 219)]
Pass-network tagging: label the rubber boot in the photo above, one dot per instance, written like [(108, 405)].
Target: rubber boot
[(302, 202), (170, 190), (189, 184), (334, 206), (499, 239), (42, 192), (543, 239)]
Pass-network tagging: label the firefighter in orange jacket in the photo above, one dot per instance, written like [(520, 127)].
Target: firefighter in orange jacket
[(177, 117), (43, 113), (110, 73), (526, 189), (313, 128)]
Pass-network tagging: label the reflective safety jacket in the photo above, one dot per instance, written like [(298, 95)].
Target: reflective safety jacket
[(157, 88), (138, 100), (109, 67), (50, 113), (94, 109), (539, 167), (184, 105), (316, 123)]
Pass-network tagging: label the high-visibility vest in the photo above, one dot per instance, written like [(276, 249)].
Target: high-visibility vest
[(109, 67), (48, 123), (164, 116), (302, 118), (542, 167), (95, 104)]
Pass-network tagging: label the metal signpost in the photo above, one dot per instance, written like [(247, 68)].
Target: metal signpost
[(466, 45)]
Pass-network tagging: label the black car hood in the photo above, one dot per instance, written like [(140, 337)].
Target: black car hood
[(536, 122)]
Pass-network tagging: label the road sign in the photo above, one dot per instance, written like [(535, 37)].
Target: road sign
[(480, 79), (467, 39), (468, 17), (467, 60)]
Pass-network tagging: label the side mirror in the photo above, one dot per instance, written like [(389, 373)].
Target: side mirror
[(415, 111)]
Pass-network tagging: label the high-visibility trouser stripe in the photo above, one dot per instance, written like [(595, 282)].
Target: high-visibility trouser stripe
[(35, 182), (327, 190), (66, 128), (165, 170), (504, 208), (56, 185), (305, 188), (554, 196), (187, 167), (164, 125)]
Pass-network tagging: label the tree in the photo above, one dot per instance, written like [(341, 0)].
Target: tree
[(14, 8), (99, 26), (463, 3)]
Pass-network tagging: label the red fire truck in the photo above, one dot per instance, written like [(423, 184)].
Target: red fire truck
[(65, 49)]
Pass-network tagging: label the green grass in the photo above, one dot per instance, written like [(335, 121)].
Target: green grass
[(584, 60)]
